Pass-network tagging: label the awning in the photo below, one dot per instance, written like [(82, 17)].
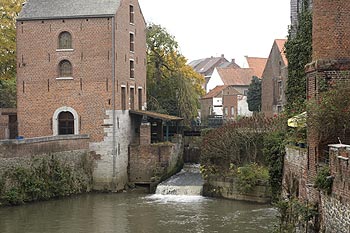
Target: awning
[(298, 121), (155, 115)]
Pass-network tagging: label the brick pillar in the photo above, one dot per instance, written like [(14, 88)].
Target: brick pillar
[(145, 134), (331, 62)]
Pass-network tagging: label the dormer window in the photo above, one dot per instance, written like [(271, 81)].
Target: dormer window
[(65, 69), (65, 40)]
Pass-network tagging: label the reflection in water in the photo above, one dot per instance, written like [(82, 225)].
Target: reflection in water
[(134, 213)]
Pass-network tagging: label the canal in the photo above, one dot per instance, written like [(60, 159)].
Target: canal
[(138, 213)]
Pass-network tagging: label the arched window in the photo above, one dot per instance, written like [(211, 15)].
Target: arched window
[(65, 69), (65, 123), (65, 120), (65, 40)]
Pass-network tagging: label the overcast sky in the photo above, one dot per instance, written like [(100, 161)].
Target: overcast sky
[(236, 28)]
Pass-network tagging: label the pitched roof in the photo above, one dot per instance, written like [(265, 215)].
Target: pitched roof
[(280, 44), (257, 64), (51, 9), (206, 66), (236, 77), (215, 92)]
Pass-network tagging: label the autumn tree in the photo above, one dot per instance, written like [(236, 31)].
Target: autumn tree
[(173, 87), (9, 10), (254, 95)]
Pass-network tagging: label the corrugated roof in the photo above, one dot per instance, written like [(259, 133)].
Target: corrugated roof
[(236, 77), (280, 44), (257, 64), (156, 115), (51, 9)]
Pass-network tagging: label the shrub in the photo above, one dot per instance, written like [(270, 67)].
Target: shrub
[(324, 181), (249, 176)]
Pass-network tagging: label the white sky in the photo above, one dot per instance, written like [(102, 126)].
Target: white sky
[(235, 28)]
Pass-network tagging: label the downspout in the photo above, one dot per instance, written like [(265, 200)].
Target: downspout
[(114, 151)]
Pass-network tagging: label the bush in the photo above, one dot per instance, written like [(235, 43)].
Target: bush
[(324, 181), (249, 176)]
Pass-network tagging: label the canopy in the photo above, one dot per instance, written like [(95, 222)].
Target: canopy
[(298, 121)]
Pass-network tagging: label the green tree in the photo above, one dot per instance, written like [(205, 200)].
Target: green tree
[(254, 95), (299, 53), (9, 10), (173, 87)]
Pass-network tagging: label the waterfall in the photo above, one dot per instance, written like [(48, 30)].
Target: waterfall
[(187, 182)]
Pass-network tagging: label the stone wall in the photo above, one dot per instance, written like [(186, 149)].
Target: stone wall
[(335, 215), (26, 155), (226, 188), (147, 163), (295, 172), (105, 176)]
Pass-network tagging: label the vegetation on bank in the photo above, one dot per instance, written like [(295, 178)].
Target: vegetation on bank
[(44, 179), (250, 150)]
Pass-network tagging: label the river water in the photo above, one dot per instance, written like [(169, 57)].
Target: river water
[(134, 213)]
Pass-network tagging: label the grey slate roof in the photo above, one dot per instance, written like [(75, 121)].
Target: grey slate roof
[(53, 9)]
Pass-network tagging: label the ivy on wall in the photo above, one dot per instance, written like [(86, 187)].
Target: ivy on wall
[(299, 53)]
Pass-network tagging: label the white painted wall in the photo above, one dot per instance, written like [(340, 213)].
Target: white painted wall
[(214, 81)]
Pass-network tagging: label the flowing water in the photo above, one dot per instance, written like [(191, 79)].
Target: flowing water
[(141, 213), (187, 182)]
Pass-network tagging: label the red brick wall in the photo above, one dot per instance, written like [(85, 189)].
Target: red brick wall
[(331, 29), (3, 126), (90, 91), (45, 145), (275, 70), (230, 99), (339, 167)]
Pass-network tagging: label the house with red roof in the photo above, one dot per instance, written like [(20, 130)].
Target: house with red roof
[(257, 64), (274, 80), (222, 102), (206, 66)]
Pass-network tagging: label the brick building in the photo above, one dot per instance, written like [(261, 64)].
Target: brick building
[(81, 66), (222, 101), (274, 80), (331, 63)]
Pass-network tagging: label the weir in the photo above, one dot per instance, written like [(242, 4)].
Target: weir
[(187, 182)]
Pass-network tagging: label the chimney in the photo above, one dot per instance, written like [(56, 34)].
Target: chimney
[(233, 60), (223, 55)]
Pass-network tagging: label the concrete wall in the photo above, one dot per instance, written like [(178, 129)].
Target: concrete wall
[(105, 176), (226, 188), (148, 163)]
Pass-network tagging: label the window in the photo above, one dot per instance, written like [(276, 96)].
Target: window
[(280, 89), (132, 14), (123, 98), (65, 123), (225, 111), (245, 92), (132, 42), (233, 111), (65, 40), (132, 98), (132, 69), (65, 69), (140, 98)]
